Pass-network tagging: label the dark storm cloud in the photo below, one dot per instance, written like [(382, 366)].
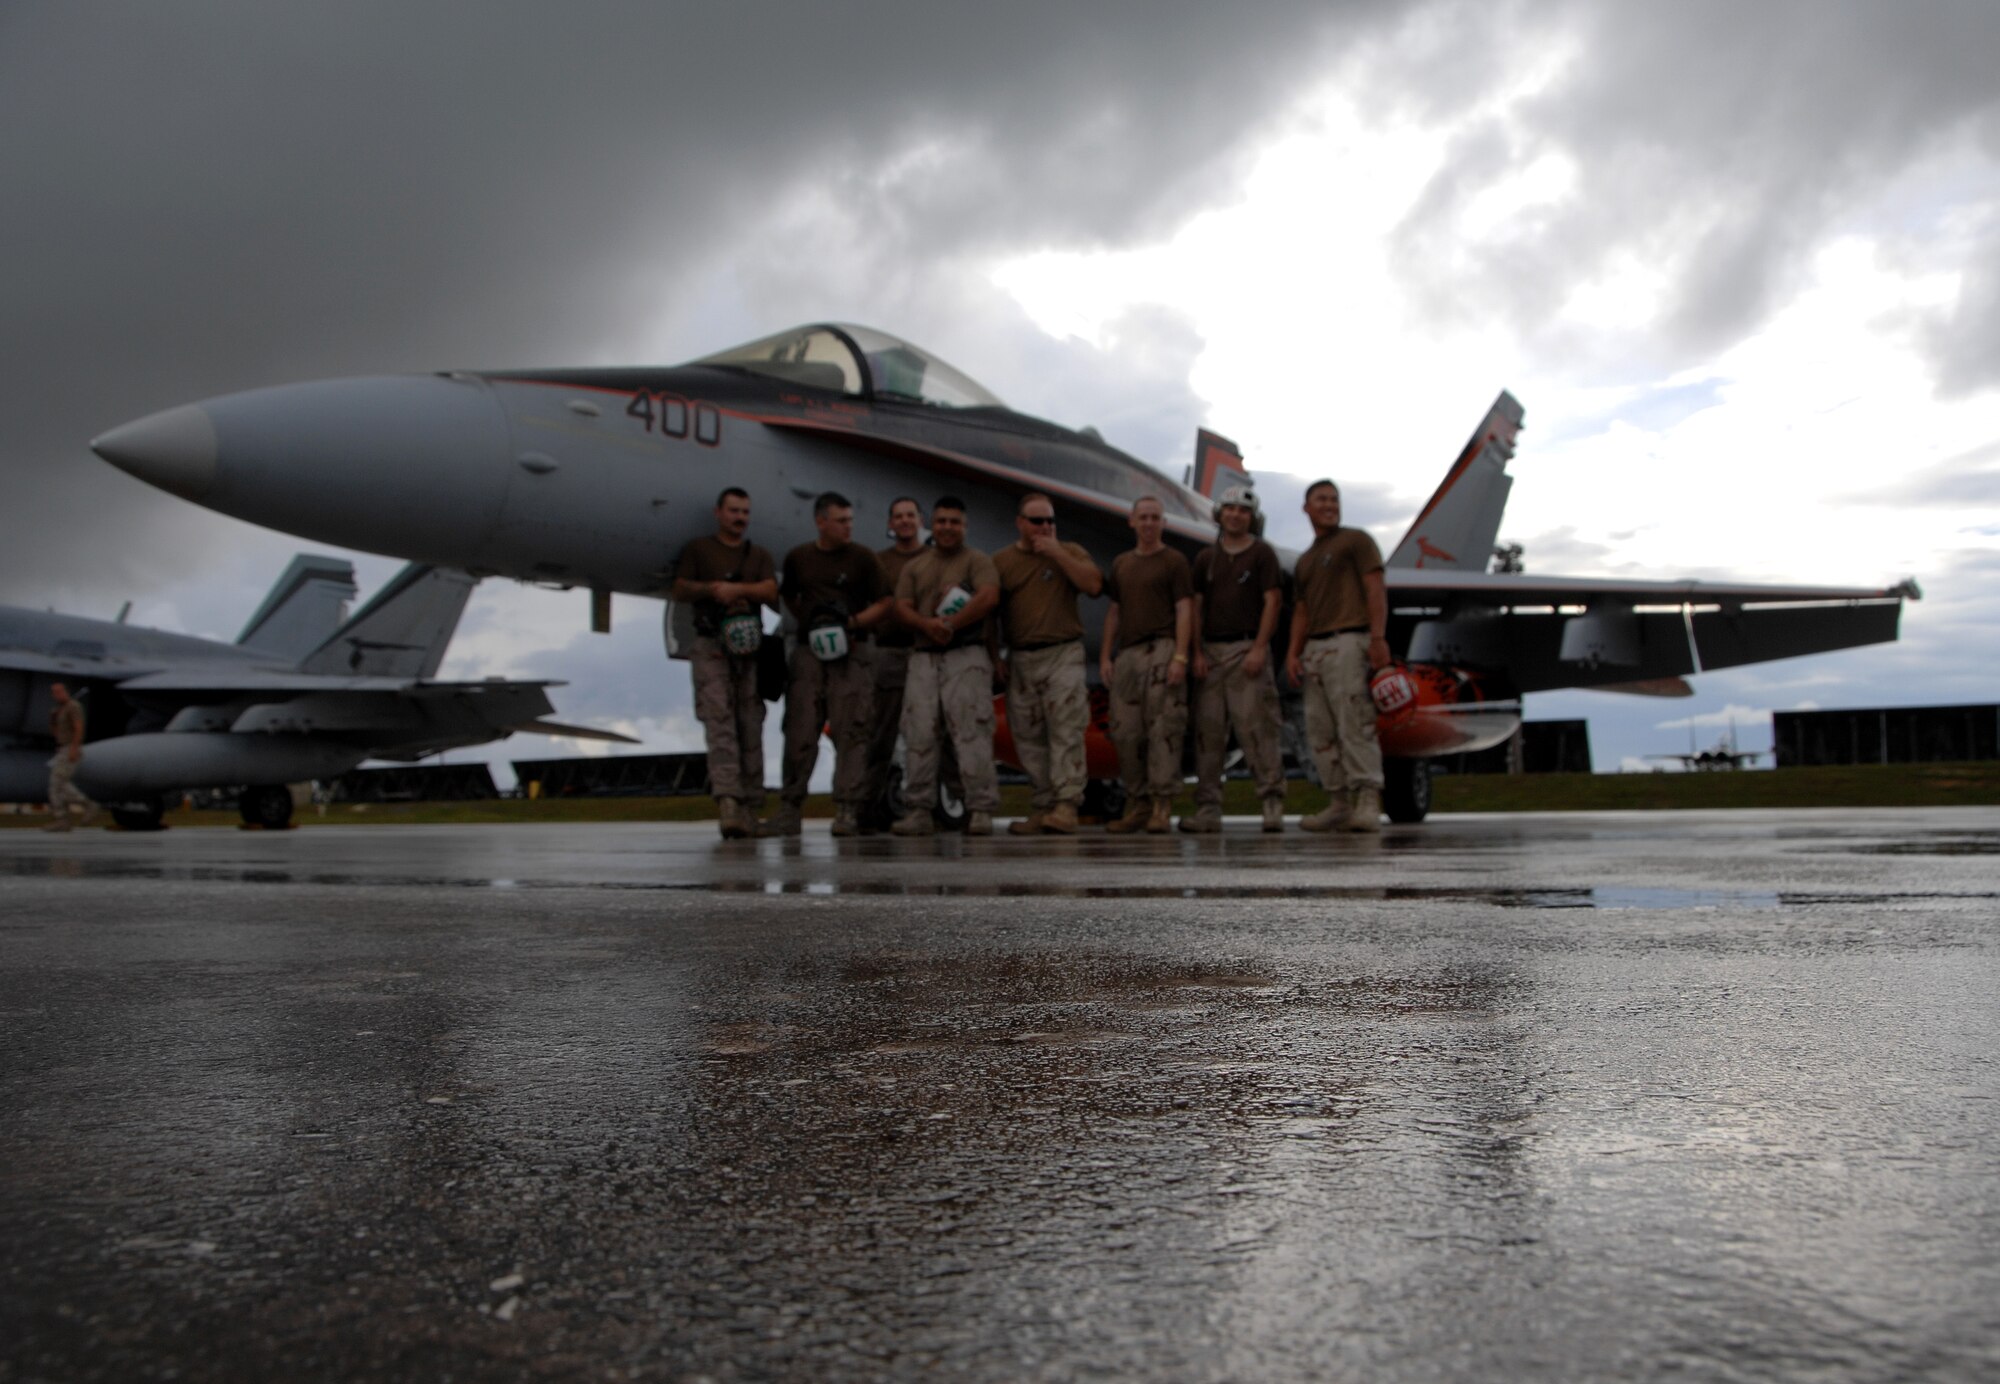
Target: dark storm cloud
[(197, 198), (1713, 141), (1965, 341), (208, 197)]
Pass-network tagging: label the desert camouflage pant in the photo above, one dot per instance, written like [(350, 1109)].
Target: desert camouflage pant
[(1148, 720), (954, 688), (840, 696), (1230, 698), (63, 792), (1340, 715), (1048, 710), (732, 721), (885, 723)]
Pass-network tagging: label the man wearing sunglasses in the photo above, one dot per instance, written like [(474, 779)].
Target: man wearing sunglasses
[(1048, 700)]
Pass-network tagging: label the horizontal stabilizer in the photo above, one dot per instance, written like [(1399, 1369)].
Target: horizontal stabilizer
[(546, 727), (403, 632), (305, 606), (1651, 687), (1456, 529)]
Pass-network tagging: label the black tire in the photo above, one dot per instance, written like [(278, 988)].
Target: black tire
[(1406, 789), (948, 808), (1103, 800), (266, 805), (141, 814)]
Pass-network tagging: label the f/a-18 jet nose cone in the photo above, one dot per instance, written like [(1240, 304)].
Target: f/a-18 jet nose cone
[(174, 450)]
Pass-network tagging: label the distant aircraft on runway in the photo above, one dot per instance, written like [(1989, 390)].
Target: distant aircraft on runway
[(300, 695), (594, 478)]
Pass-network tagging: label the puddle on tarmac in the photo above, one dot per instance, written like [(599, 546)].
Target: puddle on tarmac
[(1989, 846), (1602, 897)]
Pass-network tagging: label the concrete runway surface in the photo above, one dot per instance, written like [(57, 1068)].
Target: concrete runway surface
[(1632, 1096)]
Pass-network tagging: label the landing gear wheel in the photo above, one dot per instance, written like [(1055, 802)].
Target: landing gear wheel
[(266, 805), (141, 814), (947, 807), (948, 811), (1406, 789), (1103, 800)]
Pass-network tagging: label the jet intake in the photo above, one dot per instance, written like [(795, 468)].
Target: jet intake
[(1478, 641), (1599, 637)]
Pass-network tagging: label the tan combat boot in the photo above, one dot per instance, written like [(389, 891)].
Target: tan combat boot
[(1366, 815), (916, 822), (845, 823), (1061, 820), (1137, 812), (729, 819), (1030, 825), (1160, 820), (979, 824), (1203, 821), (1328, 818), (1274, 814)]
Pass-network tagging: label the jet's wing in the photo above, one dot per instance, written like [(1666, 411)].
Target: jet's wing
[(1542, 633), (106, 669), (1520, 588), (277, 683)]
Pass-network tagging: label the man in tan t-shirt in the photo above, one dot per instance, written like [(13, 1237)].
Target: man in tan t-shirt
[(1048, 697), (728, 576), (830, 584), (1339, 637), (1149, 625), (944, 597)]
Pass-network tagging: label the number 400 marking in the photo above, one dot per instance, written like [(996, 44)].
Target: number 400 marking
[(668, 415)]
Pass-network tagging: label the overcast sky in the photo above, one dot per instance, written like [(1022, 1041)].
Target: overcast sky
[(1741, 264)]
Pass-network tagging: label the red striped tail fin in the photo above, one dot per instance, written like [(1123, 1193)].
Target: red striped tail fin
[(1218, 462)]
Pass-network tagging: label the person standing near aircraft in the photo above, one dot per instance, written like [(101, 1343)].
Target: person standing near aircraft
[(892, 658), (66, 728), (945, 595), (1238, 587), (834, 589), (1149, 624), (727, 578), (1048, 698), (1339, 637)]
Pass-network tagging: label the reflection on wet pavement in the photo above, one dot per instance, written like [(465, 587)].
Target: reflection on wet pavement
[(625, 1104)]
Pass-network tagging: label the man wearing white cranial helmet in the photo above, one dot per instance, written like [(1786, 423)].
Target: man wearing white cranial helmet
[(727, 578), (1238, 587)]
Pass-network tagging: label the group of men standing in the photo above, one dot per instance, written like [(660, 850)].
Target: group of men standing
[(908, 640)]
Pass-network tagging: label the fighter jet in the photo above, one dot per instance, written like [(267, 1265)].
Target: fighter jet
[(594, 478), (300, 695)]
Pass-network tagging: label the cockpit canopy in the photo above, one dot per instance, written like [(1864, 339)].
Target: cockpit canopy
[(859, 361)]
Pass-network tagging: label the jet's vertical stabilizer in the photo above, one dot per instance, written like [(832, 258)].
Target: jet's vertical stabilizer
[(1218, 463), (403, 632), (1456, 529), (305, 606)]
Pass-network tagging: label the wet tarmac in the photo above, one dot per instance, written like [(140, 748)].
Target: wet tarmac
[(1635, 1096)]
